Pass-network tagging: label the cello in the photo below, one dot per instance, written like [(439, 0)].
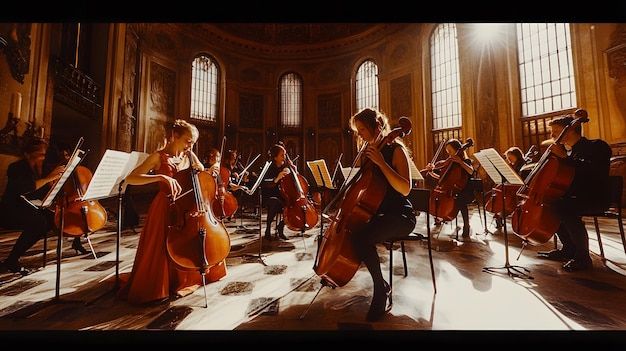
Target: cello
[(534, 219), (79, 216), (226, 203), (451, 182), (299, 213), (359, 199), (196, 239)]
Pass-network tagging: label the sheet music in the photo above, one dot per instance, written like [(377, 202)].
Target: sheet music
[(349, 173), (259, 179), (320, 173), (492, 162), (415, 173), (113, 168), (69, 168)]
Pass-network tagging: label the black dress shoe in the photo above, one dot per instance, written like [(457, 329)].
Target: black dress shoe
[(577, 265), (269, 237), (13, 267), (554, 255)]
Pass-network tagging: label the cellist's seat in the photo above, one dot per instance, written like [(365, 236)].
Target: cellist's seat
[(420, 198), (614, 211)]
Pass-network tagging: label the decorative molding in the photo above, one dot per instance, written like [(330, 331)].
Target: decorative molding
[(329, 111), (16, 46)]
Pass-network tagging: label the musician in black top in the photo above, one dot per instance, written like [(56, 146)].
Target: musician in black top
[(272, 198), (588, 190)]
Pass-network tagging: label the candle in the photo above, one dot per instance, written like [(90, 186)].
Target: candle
[(16, 105), (42, 133)]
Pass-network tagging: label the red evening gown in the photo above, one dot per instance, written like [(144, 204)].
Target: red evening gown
[(153, 276)]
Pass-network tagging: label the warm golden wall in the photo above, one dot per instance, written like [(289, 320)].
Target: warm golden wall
[(145, 74)]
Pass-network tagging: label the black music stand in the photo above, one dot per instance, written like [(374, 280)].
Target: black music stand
[(256, 186), (48, 201), (242, 227), (499, 170), (108, 181), (322, 180)]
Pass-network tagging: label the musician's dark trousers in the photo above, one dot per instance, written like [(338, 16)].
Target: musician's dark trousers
[(380, 228), (274, 206), (34, 224), (572, 231)]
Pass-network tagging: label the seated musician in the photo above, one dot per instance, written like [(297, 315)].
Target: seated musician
[(229, 162), (465, 195), (587, 192), (27, 177), (515, 158), (272, 198), (154, 277)]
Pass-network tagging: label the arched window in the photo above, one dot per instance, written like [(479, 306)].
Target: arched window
[(545, 68), (291, 101), (547, 81), (445, 86), (367, 85), (204, 88)]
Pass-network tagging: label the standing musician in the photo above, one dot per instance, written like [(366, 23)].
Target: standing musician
[(153, 277), (588, 191), (395, 216), (273, 199), (466, 195), (26, 177)]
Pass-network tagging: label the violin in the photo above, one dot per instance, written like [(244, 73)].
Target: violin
[(299, 213), (451, 182), (534, 219), (79, 217), (359, 199), (431, 177), (196, 239)]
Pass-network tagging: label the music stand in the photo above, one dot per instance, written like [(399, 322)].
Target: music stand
[(322, 180), (48, 200), (241, 176), (108, 181), (251, 191), (499, 171)]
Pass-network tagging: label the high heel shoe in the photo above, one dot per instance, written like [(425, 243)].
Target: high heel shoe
[(280, 228), (77, 246), (381, 304)]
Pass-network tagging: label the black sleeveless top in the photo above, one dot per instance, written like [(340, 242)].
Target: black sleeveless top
[(394, 202)]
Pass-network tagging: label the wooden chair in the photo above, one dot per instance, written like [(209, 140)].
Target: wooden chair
[(613, 211), (420, 198)]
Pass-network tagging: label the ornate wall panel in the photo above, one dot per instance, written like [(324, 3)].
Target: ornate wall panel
[(249, 148), (401, 97), (250, 111), (329, 111), (162, 89)]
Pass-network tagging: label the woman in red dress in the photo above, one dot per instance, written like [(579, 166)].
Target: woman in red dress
[(154, 278)]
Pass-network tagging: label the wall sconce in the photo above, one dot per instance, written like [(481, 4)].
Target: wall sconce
[(270, 132), (348, 131), (311, 132)]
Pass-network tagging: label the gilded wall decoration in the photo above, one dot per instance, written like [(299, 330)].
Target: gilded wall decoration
[(616, 55), (401, 97), (329, 111), (127, 120), (162, 89), (250, 111)]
